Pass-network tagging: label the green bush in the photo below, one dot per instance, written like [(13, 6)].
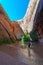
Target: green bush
[(5, 41), (33, 36), (25, 37)]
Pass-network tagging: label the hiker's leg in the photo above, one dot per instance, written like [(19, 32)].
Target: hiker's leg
[(29, 44)]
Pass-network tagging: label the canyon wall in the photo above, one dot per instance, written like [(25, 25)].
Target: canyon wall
[(7, 28), (27, 22)]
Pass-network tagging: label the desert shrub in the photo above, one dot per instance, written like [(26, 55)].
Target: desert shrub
[(25, 37), (33, 35), (5, 41), (30, 37)]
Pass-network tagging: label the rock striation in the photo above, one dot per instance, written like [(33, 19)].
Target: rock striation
[(7, 28)]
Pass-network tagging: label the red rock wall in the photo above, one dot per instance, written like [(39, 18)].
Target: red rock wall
[(5, 23), (9, 29), (17, 29), (39, 25)]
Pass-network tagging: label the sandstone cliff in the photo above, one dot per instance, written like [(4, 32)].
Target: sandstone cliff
[(7, 28)]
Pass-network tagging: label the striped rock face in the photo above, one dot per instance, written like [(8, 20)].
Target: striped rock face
[(27, 22), (5, 27), (9, 29), (18, 32)]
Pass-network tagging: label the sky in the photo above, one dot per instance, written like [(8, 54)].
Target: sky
[(15, 9)]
